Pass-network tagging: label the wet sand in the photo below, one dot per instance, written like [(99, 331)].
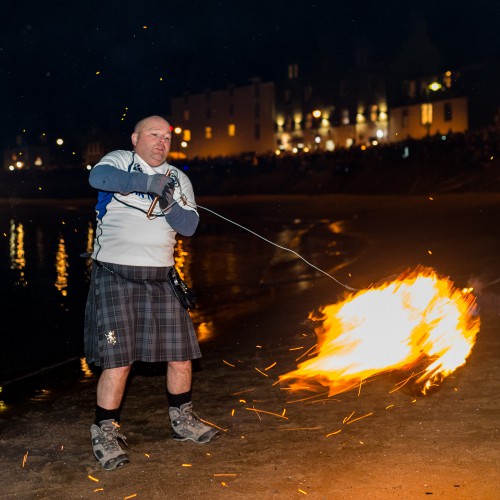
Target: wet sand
[(445, 444)]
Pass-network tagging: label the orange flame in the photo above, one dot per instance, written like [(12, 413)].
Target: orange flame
[(419, 323)]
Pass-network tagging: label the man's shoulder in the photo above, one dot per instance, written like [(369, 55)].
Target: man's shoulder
[(118, 158)]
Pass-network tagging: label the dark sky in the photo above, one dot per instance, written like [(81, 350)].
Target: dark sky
[(68, 65)]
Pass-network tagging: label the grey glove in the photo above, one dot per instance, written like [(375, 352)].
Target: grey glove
[(160, 185)]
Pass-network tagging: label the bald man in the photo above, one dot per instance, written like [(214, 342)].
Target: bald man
[(131, 312)]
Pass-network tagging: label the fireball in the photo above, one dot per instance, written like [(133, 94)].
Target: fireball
[(420, 325)]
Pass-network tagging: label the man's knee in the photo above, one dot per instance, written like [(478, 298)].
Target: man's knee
[(184, 366)]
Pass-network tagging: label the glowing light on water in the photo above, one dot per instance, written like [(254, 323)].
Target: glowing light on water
[(62, 265)]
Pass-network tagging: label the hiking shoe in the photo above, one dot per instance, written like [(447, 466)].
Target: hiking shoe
[(105, 445), (187, 425)]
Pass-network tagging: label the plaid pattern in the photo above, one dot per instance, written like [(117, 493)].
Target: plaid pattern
[(132, 315)]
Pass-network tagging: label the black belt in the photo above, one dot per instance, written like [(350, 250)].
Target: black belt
[(102, 266)]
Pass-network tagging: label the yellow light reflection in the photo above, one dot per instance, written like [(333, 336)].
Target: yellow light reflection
[(205, 331), (62, 265), (16, 250), (87, 372), (90, 246)]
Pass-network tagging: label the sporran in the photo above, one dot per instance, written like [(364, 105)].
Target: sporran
[(185, 295)]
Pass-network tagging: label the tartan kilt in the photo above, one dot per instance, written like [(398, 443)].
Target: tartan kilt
[(132, 315)]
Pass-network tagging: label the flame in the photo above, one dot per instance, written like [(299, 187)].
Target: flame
[(419, 324)]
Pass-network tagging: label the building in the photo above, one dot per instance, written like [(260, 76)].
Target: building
[(232, 121), (430, 105), (322, 112), (24, 156)]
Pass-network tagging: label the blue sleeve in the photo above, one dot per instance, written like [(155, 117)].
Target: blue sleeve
[(182, 221), (112, 179)]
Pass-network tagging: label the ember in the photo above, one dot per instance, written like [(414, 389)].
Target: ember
[(419, 324)]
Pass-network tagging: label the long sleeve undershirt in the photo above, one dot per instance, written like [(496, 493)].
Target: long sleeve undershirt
[(112, 179)]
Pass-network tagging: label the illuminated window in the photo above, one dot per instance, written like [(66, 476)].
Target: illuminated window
[(345, 117), (374, 113), (447, 79), (293, 71), (186, 115), (187, 135), (208, 132), (231, 130), (426, 113), (448, 112)]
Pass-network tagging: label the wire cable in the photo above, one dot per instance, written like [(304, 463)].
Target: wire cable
[(351, 289)]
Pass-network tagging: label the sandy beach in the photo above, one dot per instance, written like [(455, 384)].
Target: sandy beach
[(442, 445)]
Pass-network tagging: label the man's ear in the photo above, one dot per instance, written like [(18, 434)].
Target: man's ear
[(134, 137)]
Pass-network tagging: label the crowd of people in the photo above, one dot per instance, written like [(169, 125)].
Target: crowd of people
[(396, 166)]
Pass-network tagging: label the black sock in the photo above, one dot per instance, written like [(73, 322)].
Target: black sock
[(177, 400), (103, 414)]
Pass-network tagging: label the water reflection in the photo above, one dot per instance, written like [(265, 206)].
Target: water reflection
[(205, 331), (227, 267), (85, 369), (16, 251), (62, 265)]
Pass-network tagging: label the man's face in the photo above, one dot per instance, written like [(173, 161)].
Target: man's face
[(152, 141)]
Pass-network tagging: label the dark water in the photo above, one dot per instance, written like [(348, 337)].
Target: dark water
[(45, 279)]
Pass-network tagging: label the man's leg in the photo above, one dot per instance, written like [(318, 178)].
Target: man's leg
[(185, 424), (111, 387), (179, 377), (104, 433)]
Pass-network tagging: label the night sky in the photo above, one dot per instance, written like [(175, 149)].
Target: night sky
[(70, 66)]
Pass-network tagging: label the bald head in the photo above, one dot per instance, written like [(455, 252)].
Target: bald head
[(151, 140)]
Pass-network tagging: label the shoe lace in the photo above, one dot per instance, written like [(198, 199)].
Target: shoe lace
[(193, 419), (111, 436)]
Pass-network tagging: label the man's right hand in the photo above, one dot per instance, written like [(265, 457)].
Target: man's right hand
[(161, 185)]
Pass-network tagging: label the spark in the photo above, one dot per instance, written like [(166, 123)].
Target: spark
[(302, 491), (242, 401), (25, 458), (98, 489), (307, 352), (130, 496), (359, 390), (270, 366), (223, 484), (92, 478), (225, 475), (308, 397), (227, 363), (301, 429), (146, 455), (267, 412), (296, 348), (213, 425), (346, 419), (387, 407), (242, 392), (359, 418), (261, 372), (333, 433), (187, 465), (232, 412)]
